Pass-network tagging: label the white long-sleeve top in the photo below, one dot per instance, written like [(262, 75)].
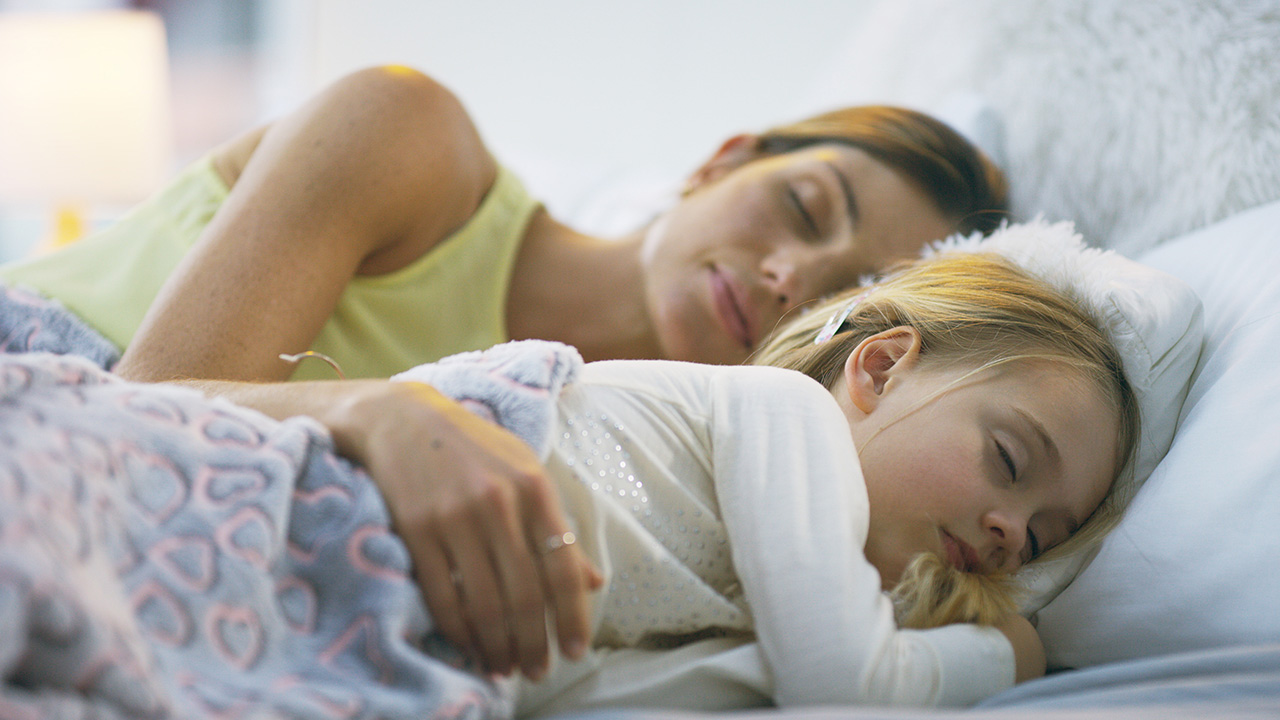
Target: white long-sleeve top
[(727, 510)]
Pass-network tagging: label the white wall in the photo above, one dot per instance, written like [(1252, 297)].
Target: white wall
[(571, 93), (600, 83)]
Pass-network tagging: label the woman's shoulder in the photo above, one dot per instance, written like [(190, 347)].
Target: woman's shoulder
[(364, 101), (385, 159)]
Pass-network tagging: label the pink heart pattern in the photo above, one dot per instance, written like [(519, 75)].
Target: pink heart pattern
[(220, 564)]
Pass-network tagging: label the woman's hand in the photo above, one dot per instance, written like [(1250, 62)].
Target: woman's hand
[(471, 502), (475, 508)]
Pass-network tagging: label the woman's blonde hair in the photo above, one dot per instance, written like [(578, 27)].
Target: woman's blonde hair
[(963, 182), (973, 311)]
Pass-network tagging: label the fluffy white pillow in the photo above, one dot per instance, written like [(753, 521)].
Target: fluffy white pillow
[(1154, 320), (1140, 121), (1193, 564)]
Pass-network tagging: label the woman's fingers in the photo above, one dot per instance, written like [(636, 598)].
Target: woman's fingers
[(441, 589), (483, 607), (531, 574), (474, 505), (568, 577), (521, 587)]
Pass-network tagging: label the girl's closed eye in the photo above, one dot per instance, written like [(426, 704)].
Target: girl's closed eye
[(1007, 459), (1033, 547)]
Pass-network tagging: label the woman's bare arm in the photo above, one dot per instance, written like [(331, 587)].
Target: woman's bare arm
[(364, 179)]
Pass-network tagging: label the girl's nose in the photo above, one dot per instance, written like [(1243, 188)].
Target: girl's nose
[(1008, 528)]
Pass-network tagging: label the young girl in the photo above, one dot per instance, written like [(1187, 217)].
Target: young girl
[(967, 420), (989, 418)]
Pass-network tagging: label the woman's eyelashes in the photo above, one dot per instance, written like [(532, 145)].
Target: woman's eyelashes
[(807, 220)]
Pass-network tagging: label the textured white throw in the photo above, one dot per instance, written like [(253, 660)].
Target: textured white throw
[(1137, 119)]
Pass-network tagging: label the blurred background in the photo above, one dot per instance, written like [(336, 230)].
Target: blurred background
[(567, 92)]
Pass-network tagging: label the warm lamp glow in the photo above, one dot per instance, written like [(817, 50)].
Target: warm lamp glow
[(84, 107)]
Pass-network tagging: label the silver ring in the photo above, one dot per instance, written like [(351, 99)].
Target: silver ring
[(555, 542)]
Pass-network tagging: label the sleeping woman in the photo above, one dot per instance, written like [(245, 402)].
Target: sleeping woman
[(966, 419)]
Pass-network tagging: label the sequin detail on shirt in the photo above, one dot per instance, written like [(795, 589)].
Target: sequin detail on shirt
[(672, 572)]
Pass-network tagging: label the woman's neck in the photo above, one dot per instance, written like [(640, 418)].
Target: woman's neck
[(584, 291)]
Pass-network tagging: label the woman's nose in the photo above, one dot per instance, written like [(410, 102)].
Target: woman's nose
[(796, 273), (782, 277)]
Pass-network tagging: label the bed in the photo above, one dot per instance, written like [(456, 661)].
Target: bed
[(1153, 125)]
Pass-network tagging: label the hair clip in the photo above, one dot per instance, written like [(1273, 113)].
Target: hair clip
[(838, 318)]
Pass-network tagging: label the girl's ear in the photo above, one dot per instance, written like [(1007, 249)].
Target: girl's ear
[(733, 154), (873, 365)]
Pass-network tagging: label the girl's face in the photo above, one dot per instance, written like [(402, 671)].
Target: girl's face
[(987, 472), (758, 237)]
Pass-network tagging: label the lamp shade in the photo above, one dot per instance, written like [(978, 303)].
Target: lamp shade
[(84, 106)]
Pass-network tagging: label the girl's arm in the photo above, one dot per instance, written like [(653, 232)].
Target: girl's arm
[(792, 497), (1028, 650)]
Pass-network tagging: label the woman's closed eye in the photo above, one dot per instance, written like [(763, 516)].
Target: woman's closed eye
[(807, 220)]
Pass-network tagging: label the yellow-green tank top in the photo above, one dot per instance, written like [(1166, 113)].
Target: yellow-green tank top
[(450, 300)]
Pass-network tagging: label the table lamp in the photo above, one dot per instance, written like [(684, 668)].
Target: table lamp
[(84, 111)]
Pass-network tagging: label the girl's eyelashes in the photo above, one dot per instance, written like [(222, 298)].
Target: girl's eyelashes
[(1034, 544), (1007, 459), (806, 217)]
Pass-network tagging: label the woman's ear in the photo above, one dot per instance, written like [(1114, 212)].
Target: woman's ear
[(734, 153), (873, 365)]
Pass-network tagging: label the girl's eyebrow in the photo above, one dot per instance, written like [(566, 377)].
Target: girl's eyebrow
[(850, 203), (1050, 451), (1050, 447)]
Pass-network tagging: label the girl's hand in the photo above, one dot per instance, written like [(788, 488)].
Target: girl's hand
[(1028, 650), (474, 506)]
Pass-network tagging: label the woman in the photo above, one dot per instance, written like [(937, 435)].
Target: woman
[(372, 225)]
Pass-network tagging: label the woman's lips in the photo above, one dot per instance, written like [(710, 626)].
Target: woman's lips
[(731, 307), (959, 554)]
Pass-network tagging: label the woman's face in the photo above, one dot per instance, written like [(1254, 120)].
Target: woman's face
[(758, 239), (987, 471)]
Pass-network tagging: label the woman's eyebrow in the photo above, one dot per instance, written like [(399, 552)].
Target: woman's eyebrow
[(850, 202)]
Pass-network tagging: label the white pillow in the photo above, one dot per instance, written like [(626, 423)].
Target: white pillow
[(1194, 562), (1140, 121), (1153, 319)]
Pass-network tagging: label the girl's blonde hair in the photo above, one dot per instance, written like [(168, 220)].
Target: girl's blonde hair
[(973, 311)]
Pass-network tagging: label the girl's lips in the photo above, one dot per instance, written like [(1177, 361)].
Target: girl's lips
[(958, 553), (731, 307)]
